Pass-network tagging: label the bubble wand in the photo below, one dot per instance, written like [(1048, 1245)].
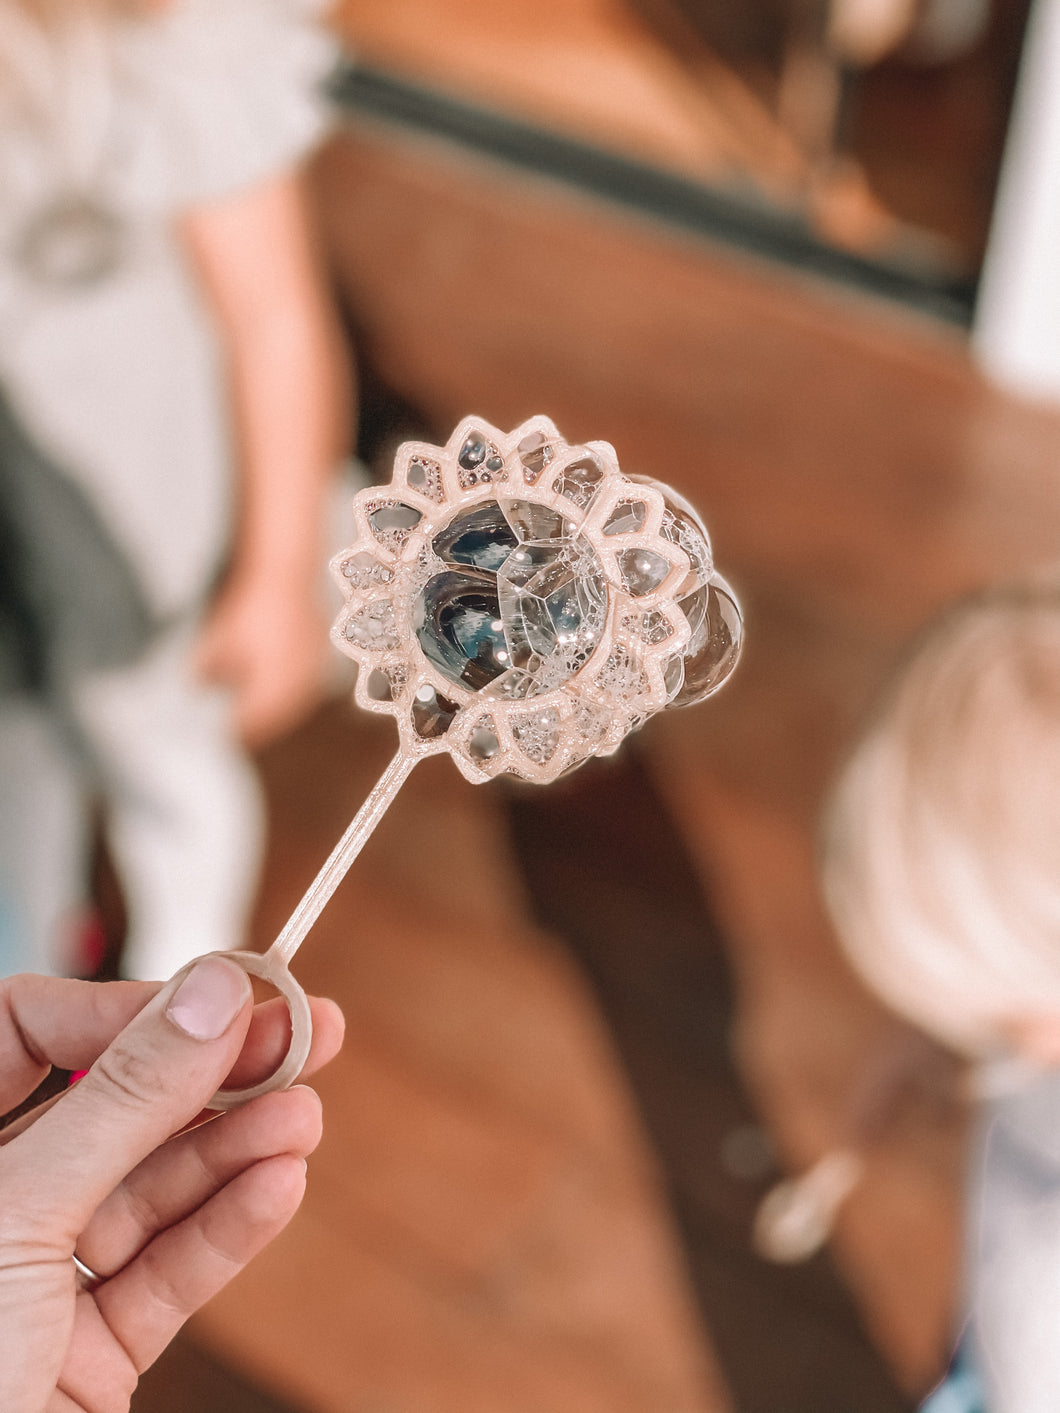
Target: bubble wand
[(523, 605)]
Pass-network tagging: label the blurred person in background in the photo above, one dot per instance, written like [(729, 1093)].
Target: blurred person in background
[(941, 866), (170, 385)]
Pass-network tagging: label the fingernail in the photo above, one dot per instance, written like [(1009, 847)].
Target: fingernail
[(209, 998)]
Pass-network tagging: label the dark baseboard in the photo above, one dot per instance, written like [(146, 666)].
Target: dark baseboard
[(729, 217)]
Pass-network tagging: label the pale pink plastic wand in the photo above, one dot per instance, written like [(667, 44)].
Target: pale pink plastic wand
[(521, 604)]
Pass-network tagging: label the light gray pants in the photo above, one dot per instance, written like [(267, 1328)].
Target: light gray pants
[(181, 805)]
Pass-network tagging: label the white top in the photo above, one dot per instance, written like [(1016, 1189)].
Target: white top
[(117, 374), (1016, 336)]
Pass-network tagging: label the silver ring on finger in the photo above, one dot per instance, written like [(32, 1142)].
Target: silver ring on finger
[(87, 1278)]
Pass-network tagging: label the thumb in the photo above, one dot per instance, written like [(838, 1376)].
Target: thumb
[(153, 1078)]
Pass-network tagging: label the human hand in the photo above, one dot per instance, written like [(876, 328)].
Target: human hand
[(165, 1220), (267, 640)]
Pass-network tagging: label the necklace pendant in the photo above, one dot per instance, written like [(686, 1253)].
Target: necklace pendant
[(75, 241)]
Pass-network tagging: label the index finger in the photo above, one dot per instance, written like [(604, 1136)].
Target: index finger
[(33, 1018), (46, 1021)]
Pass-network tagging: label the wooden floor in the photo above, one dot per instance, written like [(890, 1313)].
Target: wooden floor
[(490, 1224)]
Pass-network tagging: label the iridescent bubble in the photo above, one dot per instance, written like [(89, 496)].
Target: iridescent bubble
[(459, 628), (395, 516), (432, 714), (521, 604), (682, 526), (714, 618), (579, 481), (626, 518), (553, 603), (481, 538), (535, 453), (642, 570), (483, 744), (714, 647)]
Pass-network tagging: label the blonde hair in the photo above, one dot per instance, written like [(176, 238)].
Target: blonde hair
[(941, 840)]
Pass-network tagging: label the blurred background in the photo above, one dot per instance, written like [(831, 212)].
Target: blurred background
[(771, 251)]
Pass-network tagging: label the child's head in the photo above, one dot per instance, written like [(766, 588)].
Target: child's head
[(942, 838)]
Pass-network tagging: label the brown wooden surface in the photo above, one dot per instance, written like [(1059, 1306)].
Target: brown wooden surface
[(485, 1227), (589, 68)]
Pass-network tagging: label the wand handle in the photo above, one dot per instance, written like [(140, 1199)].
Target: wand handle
[(272, 966), (341, 857)]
